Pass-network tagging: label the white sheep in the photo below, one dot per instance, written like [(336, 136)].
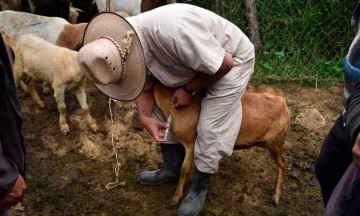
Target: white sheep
[(43, 61)]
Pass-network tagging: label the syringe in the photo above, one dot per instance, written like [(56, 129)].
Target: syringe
[(167, 130)]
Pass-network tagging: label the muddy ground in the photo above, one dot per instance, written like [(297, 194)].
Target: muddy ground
[(68, 174)]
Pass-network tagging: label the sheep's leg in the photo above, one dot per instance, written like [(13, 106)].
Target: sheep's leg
[(59, 94), (184, 173), (34, 95), (81, 96), (280, 161), (46, 87)]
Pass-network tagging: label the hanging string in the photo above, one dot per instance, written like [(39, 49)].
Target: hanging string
[(118, 164)]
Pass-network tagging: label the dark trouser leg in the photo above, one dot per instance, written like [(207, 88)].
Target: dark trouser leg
[(353, 205), (194, 200), (334, 158), (4, 212), (173, 157)]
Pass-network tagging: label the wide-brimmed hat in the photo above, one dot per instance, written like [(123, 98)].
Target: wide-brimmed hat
[(112, 57)]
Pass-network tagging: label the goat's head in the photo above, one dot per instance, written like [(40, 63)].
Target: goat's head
[(73, 13)]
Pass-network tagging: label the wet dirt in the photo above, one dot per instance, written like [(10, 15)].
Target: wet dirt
[(68, 174)]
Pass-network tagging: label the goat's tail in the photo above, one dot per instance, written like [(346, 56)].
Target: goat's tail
[(8, 40)]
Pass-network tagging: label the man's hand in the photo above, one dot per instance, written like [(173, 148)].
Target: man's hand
[(356, 151), (16, 194), (180, 98), (155, 128)]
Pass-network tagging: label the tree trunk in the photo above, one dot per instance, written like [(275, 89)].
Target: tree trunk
[(251, 14)]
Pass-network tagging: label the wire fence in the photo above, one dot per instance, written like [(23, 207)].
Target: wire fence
[(302, 40)]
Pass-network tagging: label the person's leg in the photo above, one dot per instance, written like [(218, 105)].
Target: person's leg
[(173, 156), (353, 205), (195, 199), (4, 212), (334, 158), (345, 198), (218, 128)]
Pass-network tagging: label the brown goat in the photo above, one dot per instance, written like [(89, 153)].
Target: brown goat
[(265, 122)]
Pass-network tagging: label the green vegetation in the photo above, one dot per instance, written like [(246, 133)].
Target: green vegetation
[(303, 40)]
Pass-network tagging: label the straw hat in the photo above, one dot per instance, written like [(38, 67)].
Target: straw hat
[(112, 57)]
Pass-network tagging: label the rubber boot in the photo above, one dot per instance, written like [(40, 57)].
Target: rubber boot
[(194, 200), (173, 157)]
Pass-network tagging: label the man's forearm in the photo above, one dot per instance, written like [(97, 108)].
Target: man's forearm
[(145, 104), (202, 80)]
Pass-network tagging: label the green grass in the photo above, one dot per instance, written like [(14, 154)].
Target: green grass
[(303, 40)]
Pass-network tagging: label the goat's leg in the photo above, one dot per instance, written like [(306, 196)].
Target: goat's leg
[(34, 95), (184, 173), (276, 152), (59, 94), (24, 86), (81, 96), (10, 54), (46, 87), (18, 70)]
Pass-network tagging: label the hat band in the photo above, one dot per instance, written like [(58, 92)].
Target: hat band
[(123, 52)]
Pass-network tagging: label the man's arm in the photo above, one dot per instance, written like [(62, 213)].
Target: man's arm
[(181, 98), (146, 104)]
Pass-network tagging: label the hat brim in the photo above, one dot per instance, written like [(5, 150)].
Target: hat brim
[(114, 26)]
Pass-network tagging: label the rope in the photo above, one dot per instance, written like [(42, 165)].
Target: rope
[(123, 52), (118, 164)]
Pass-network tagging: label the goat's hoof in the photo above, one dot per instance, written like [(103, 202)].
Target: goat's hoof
[(276, 199), (174, 203), (46, 91), (64, 129), (41, 104), (93, 126)]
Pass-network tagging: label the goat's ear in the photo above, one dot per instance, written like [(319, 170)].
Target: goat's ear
[(75, 8), (79, 10)]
